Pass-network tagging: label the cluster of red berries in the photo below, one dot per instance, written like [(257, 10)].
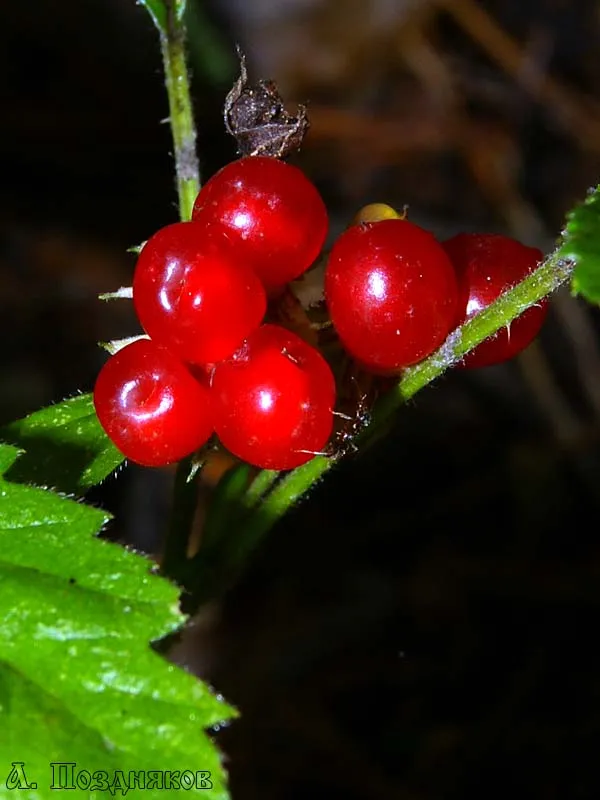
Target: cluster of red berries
[(210, 365)]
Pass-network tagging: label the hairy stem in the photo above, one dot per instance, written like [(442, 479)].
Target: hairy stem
[(553, 272), (181, 118), (187, 172)]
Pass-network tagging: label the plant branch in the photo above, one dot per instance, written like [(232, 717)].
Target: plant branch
[(181, 118), (187, 172), (553, 272)]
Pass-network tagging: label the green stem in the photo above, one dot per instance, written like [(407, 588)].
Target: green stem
[(183, 510), (553, 272), (187, 172), (260, 486), (187, 169)]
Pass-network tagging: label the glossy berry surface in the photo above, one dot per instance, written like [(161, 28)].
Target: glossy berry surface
[(192, 297), (391, 293), (273, 400), (150, 406), (487, 265), (270, 214)]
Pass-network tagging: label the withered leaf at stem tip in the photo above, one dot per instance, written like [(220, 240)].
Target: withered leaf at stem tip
[(256, 117)]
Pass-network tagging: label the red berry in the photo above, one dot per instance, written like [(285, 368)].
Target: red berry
[(270, 214), (150, 406), (192, 297), (487, 265), (391, 293), (273, 400)]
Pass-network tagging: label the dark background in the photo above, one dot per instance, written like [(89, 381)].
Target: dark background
[(424, 625)]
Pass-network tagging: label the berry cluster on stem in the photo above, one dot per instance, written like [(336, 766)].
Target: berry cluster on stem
[(211, 361)]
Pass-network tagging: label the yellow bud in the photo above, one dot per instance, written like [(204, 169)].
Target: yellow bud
[(375, 212)]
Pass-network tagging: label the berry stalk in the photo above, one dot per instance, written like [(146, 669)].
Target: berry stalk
[(181, 118)]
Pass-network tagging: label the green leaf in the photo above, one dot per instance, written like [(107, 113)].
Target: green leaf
[(581, 244), (209, 52), (179, 8), (159, 11), (78, 679), (65, 447)]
